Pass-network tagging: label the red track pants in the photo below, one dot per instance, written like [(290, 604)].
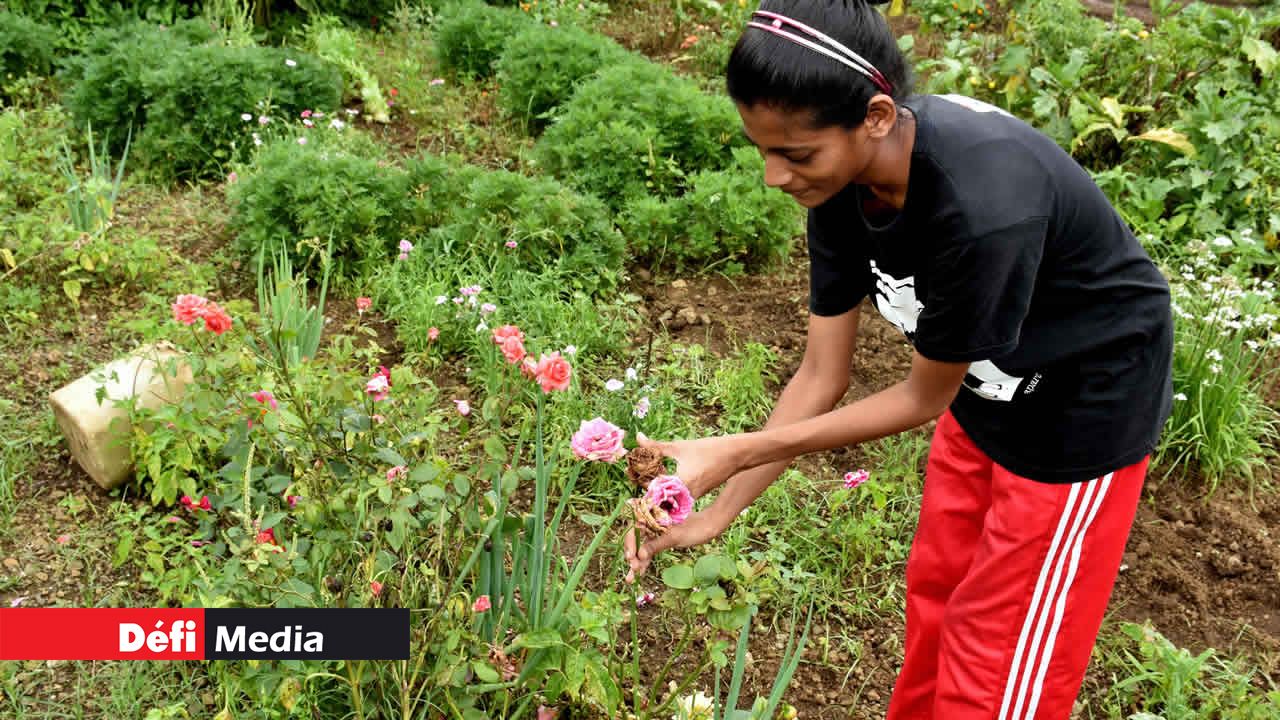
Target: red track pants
[(1007, 583)]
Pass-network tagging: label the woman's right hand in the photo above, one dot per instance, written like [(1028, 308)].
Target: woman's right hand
[(698, 528)]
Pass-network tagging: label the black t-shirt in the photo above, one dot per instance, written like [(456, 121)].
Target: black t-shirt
[(1007, 256)]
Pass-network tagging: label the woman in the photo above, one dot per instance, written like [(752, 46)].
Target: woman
[(1043, 343)]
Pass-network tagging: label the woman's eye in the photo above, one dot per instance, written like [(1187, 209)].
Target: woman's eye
[(800, 160)]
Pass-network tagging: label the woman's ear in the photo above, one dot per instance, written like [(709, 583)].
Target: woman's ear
[(882, 116)]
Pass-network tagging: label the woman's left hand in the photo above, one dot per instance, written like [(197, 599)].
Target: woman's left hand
[(704, 464)]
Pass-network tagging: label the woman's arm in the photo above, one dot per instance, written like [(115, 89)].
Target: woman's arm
[(925, 394)]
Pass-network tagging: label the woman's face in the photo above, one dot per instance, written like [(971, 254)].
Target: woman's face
[(810, 164)]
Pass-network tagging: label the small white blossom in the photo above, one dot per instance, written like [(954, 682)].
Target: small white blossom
[(246, 116), (632, 374), (291, 62), (613, 385), (571, 350), (441, 299), (1180, 396), (1222, 241)]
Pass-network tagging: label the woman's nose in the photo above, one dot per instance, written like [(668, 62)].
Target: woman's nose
[(776, 172)]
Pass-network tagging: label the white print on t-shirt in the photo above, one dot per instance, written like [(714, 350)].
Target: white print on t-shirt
[(974, 105), (896, 300)]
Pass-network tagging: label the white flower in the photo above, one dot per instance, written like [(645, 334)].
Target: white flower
[(291, 63), (632, 374), (613, 385), (246, 116), (337, 124), (263, 119), (1180, 396), (352, 112), (694, 707), (642, 407), (442, 299), (256, 139), (302, 141), (1246, 232), (488, 308), (1222, 241), (481, 327), (571, 350), (1214, 354), (1215, 368)]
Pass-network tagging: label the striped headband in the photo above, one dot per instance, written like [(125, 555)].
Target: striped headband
[(837, 51)]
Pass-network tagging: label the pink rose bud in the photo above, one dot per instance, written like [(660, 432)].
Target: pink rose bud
[(464, 407), (856, 478), (670, 495), (481, 604), (363, 304)]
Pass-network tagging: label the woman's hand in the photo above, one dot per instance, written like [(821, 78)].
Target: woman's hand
[(702, 465), (698, 528)]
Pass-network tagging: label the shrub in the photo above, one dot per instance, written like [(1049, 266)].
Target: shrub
[(194, 127), (471, 36), (109, 86), (26, 46), (183, 97), (635, 127), (552, 226), (368, 13), (726, 217), (542, 65), (437, 186), (319, 191)]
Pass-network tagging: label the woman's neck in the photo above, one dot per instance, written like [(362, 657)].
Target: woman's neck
[(888, 178)]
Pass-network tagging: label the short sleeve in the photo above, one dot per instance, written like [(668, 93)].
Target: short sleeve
[(979, 292), (839, 273)]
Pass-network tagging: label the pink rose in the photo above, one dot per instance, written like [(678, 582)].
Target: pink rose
[(266, 398), (187, 309), (398, 471), (375, 587), (379, 386), (513, 350), (598, 440), (500, 334), (481, 604), (363, 304), (464, 407), (552, 372), (216, 320), (669, 495)]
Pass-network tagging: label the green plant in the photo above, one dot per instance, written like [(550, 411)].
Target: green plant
[(635, 129), (91, 201), (326, 37), (1220, 422), (111, 82), (541, 66), (727, 220), (1154, 679), (294, 194), (195, 125), (26, 46), (471, 35), (293, 328)]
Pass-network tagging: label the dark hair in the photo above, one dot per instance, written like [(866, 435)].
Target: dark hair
[(766, 68)]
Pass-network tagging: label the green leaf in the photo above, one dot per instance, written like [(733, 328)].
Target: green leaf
[(389, 456), (494, 448), (485, 672), (424, 474), (1261, 53), (707, 570), (679, 577), (123, 546), (539, 639), (72, 290), (1111, 107)]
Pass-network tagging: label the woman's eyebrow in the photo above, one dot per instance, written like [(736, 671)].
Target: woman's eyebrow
[(781, 149)]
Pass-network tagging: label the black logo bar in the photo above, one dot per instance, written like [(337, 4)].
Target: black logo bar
[(306, 633)]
